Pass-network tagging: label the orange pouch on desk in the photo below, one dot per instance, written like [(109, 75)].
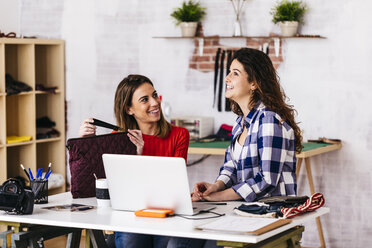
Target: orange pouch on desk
[(154, 213)]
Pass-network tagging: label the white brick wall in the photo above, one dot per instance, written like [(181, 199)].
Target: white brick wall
[(328, 81)]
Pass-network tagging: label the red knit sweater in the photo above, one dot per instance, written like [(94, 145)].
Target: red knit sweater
[(174, 145)]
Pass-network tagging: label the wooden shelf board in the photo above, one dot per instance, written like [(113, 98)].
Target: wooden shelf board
[(37, 92), (30, 41), (243, 37), (24, 143), (48, 140), (22, 93), (40, 92)]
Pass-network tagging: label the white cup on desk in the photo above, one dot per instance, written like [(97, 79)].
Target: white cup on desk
[(102, 193)]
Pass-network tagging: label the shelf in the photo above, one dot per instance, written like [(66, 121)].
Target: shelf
[(17, 155), (19, 41), (32, 61), (243, 37), (22, 93), (50, 152), (38, 141), (214, 39), (37, 92), (24, 143), (20, 115), (47, 60), (40, 92), (19, 62), (46, 105)]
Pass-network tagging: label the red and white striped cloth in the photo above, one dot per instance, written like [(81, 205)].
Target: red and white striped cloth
[(314, 202)]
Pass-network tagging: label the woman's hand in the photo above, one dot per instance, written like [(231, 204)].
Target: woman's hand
[(136, 137), (203, 189), (87, 128), (194, 197), (208, 191)]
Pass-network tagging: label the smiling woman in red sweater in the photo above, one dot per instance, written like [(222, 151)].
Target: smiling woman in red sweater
[(138, 112)]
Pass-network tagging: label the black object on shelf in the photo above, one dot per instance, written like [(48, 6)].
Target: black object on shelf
[(44, 128), (14, 87), (46, 89), (45, 122)]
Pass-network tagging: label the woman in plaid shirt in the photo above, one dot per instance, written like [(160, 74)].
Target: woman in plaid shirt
[(261, 159)]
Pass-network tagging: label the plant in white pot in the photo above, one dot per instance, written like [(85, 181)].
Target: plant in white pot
[(188, 16), (288, 14)]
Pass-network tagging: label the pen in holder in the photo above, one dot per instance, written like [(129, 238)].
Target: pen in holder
[(40, 189)]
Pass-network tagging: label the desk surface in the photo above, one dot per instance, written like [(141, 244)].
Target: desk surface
[(219, 148), (108, 219)]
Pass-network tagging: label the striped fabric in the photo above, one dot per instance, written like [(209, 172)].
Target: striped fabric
[(314, 202), (267, 163)]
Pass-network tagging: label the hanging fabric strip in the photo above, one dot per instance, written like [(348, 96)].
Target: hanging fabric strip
[(216, 74), (220, 86), (229, 57)]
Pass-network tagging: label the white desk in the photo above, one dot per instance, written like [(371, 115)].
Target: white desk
[(108, 219)]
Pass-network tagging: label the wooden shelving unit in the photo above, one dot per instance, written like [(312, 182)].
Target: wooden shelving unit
[(32, 61)]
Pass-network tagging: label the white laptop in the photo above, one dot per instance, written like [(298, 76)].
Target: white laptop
[(139, 182)]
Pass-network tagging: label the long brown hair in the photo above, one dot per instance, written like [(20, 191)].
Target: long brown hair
[(261, 71), (123, 100)]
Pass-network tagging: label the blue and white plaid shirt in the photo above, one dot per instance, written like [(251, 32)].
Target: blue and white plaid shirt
[(267, 163)]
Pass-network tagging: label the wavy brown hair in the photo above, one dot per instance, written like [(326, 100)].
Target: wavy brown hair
[(123, 101), (261, 71)]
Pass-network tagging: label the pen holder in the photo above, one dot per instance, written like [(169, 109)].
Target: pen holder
[(40, 189)]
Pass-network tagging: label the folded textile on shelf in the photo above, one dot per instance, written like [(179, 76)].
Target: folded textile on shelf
[(44, 128), (45, 133), (15, 139), (44, 122), (46, 89), (14, 87)]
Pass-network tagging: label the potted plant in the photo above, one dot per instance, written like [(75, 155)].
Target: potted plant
[(288, 14), (188, 16)]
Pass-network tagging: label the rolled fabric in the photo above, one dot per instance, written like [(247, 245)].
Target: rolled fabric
[(314, 202)]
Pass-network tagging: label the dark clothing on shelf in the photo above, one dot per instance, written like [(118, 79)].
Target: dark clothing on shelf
[(46, 89), (45, 122), (14, 87)]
